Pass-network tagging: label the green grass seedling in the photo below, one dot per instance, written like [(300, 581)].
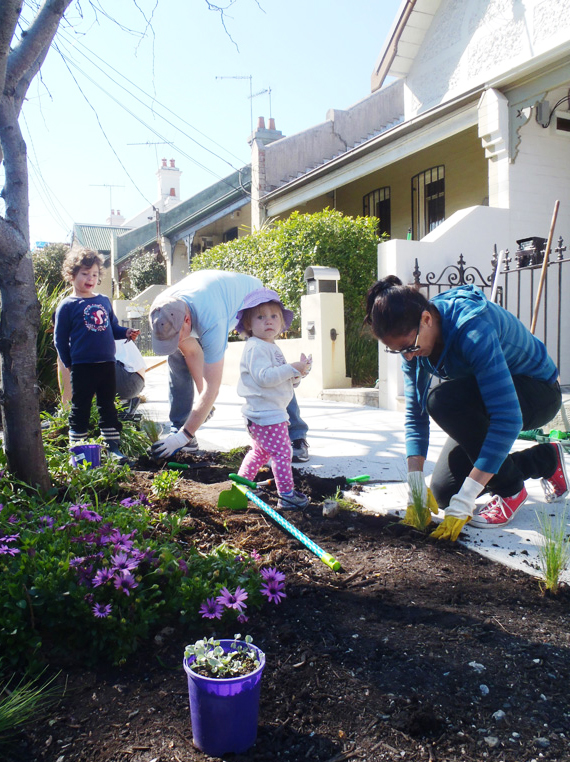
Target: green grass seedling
[(553, 548), (418, 514)]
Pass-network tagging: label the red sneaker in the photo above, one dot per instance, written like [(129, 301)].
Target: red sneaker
[(498, 511), (556, 486)]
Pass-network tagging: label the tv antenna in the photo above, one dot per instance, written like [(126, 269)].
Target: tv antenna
[(261, 92), (107, 185), (245, 76)]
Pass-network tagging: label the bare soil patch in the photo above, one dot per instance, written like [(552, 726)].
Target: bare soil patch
[(417, 650)]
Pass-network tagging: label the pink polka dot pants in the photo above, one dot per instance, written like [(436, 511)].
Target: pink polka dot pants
[(270, 443)]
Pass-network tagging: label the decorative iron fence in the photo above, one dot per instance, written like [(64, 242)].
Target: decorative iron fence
[(515, 286)]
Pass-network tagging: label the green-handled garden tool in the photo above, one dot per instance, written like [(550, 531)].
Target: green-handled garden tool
[(237, 498), (365, 479)]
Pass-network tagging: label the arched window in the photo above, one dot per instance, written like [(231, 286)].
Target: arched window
[(428, 201), (377, 204)]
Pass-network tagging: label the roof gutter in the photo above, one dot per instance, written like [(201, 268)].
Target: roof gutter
[(374, 144), (390, 50)]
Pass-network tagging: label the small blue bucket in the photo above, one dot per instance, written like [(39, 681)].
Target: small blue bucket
[(224, 712), (89, 453)]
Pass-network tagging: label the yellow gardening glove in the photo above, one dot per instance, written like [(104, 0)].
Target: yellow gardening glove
[(459, 511), (450, 528), (431, 503)]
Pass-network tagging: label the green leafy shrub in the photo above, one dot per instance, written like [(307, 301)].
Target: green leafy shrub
[(49, 297), (280, 254), (47, 264), (144, 270)]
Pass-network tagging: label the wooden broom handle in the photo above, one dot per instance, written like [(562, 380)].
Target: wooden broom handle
[(544, 267)]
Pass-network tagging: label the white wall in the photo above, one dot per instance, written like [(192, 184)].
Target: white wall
[(472, 232), (472, 41)]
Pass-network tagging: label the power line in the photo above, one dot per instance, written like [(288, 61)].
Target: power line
[(154, 100), (101, 128), (71, 62)]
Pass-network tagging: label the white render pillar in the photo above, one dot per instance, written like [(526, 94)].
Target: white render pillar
[(493, 112)]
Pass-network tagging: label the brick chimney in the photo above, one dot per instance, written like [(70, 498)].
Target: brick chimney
[(264, 134), (115, 219), (168, 177)]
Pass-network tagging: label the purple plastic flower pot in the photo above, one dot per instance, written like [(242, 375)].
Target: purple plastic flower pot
[(89, 453), (224, 711)]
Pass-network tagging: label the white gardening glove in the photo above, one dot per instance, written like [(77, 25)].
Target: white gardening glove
[(459, 511), (167, 447)]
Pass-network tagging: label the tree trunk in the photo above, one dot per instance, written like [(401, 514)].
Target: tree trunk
[(20, 315)]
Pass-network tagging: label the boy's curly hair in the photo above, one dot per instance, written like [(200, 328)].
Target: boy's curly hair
[(76, 259)]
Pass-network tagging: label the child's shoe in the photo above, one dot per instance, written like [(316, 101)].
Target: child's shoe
[(498, 511), (113, 453), (292, 499), (556, 486)]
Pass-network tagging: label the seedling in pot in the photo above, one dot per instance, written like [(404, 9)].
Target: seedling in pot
[(210, 659)]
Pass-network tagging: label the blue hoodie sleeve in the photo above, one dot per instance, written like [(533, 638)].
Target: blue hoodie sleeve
[(416, 421), (480, 346)]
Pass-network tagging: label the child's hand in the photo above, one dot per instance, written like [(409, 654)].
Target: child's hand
[(308, 360), (304, 365), (133, 334)]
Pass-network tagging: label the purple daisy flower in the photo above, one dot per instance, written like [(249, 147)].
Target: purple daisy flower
[(102, 576), (7, 550), (242, 618), (233, 600), (45, 522), (273, 590), (9, 537), (91, 516), (101, 611), (125, 581), (122, 562), (211, 609), (272, 575)]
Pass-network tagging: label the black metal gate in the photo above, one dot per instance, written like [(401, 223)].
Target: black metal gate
[(516, 289)]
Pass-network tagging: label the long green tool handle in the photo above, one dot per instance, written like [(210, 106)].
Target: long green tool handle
[(326, 558), (243, 480), (357, 479)]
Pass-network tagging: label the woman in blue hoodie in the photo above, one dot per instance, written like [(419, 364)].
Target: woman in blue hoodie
[(497, 379)]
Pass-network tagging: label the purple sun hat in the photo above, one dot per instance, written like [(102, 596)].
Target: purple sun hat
[(261, 296)]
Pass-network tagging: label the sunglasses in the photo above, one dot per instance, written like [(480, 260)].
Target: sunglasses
[(415, 347)]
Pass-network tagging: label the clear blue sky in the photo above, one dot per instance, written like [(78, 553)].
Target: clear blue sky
[(104, 88)]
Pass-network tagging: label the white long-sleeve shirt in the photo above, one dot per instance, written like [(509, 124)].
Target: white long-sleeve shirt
[(266, 382)]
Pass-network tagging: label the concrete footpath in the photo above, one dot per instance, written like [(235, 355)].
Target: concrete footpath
[(348, 440)]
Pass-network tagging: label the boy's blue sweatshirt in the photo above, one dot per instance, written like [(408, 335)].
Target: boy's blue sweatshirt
[(86, 329), (483, 340)]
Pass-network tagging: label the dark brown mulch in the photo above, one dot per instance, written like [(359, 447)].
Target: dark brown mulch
[(417, 650)]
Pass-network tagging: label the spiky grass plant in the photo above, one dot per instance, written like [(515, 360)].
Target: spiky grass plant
[(151, 428), (23, 703), (553, 548), (418, 514)]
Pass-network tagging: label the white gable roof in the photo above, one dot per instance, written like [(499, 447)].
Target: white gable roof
[(412, 21)]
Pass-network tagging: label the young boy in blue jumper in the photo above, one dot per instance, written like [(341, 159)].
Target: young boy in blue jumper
[(85, 331), (497, 379)]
